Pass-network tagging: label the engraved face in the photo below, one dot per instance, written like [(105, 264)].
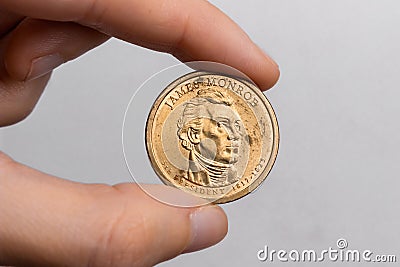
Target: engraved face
[(210, 126), (220, 136), (210, 130)]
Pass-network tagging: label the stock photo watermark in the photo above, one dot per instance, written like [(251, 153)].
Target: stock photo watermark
[(340, 253)]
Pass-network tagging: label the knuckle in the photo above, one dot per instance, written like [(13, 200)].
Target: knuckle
[(13, 118), (18, 99)]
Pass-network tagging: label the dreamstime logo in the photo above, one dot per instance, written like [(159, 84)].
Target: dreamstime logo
[(341, 243), (331, 254)]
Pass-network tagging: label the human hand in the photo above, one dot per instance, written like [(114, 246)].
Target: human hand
[(50, 221)]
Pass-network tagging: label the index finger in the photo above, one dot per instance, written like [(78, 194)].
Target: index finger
[(190, 30)]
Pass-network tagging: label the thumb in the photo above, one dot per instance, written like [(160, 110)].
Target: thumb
[(47, 221)]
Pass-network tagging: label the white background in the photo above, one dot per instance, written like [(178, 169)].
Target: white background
[(337, 102)]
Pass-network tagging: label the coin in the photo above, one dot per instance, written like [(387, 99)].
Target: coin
[(212, 135)]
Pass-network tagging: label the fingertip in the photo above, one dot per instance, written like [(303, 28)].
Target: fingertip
[(181, 227), (209, 225), (266, 72), (270, 78)]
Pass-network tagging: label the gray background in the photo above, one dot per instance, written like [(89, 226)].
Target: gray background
[(337, 173)]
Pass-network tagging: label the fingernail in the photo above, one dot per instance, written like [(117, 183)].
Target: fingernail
[(209, 226), (43, 65)]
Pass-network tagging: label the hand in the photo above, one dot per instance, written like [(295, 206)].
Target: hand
[(48, 221)]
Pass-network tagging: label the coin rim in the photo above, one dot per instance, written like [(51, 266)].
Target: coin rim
[(275, 129)]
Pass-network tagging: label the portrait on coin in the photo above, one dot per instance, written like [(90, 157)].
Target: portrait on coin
[(212, 132)]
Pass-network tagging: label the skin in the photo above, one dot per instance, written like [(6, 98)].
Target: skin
[(49, 221)]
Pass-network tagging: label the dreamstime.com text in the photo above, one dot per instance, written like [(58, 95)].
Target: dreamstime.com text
[(340, 253)]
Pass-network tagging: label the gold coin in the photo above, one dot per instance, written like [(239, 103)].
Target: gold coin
[(212, 135)]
